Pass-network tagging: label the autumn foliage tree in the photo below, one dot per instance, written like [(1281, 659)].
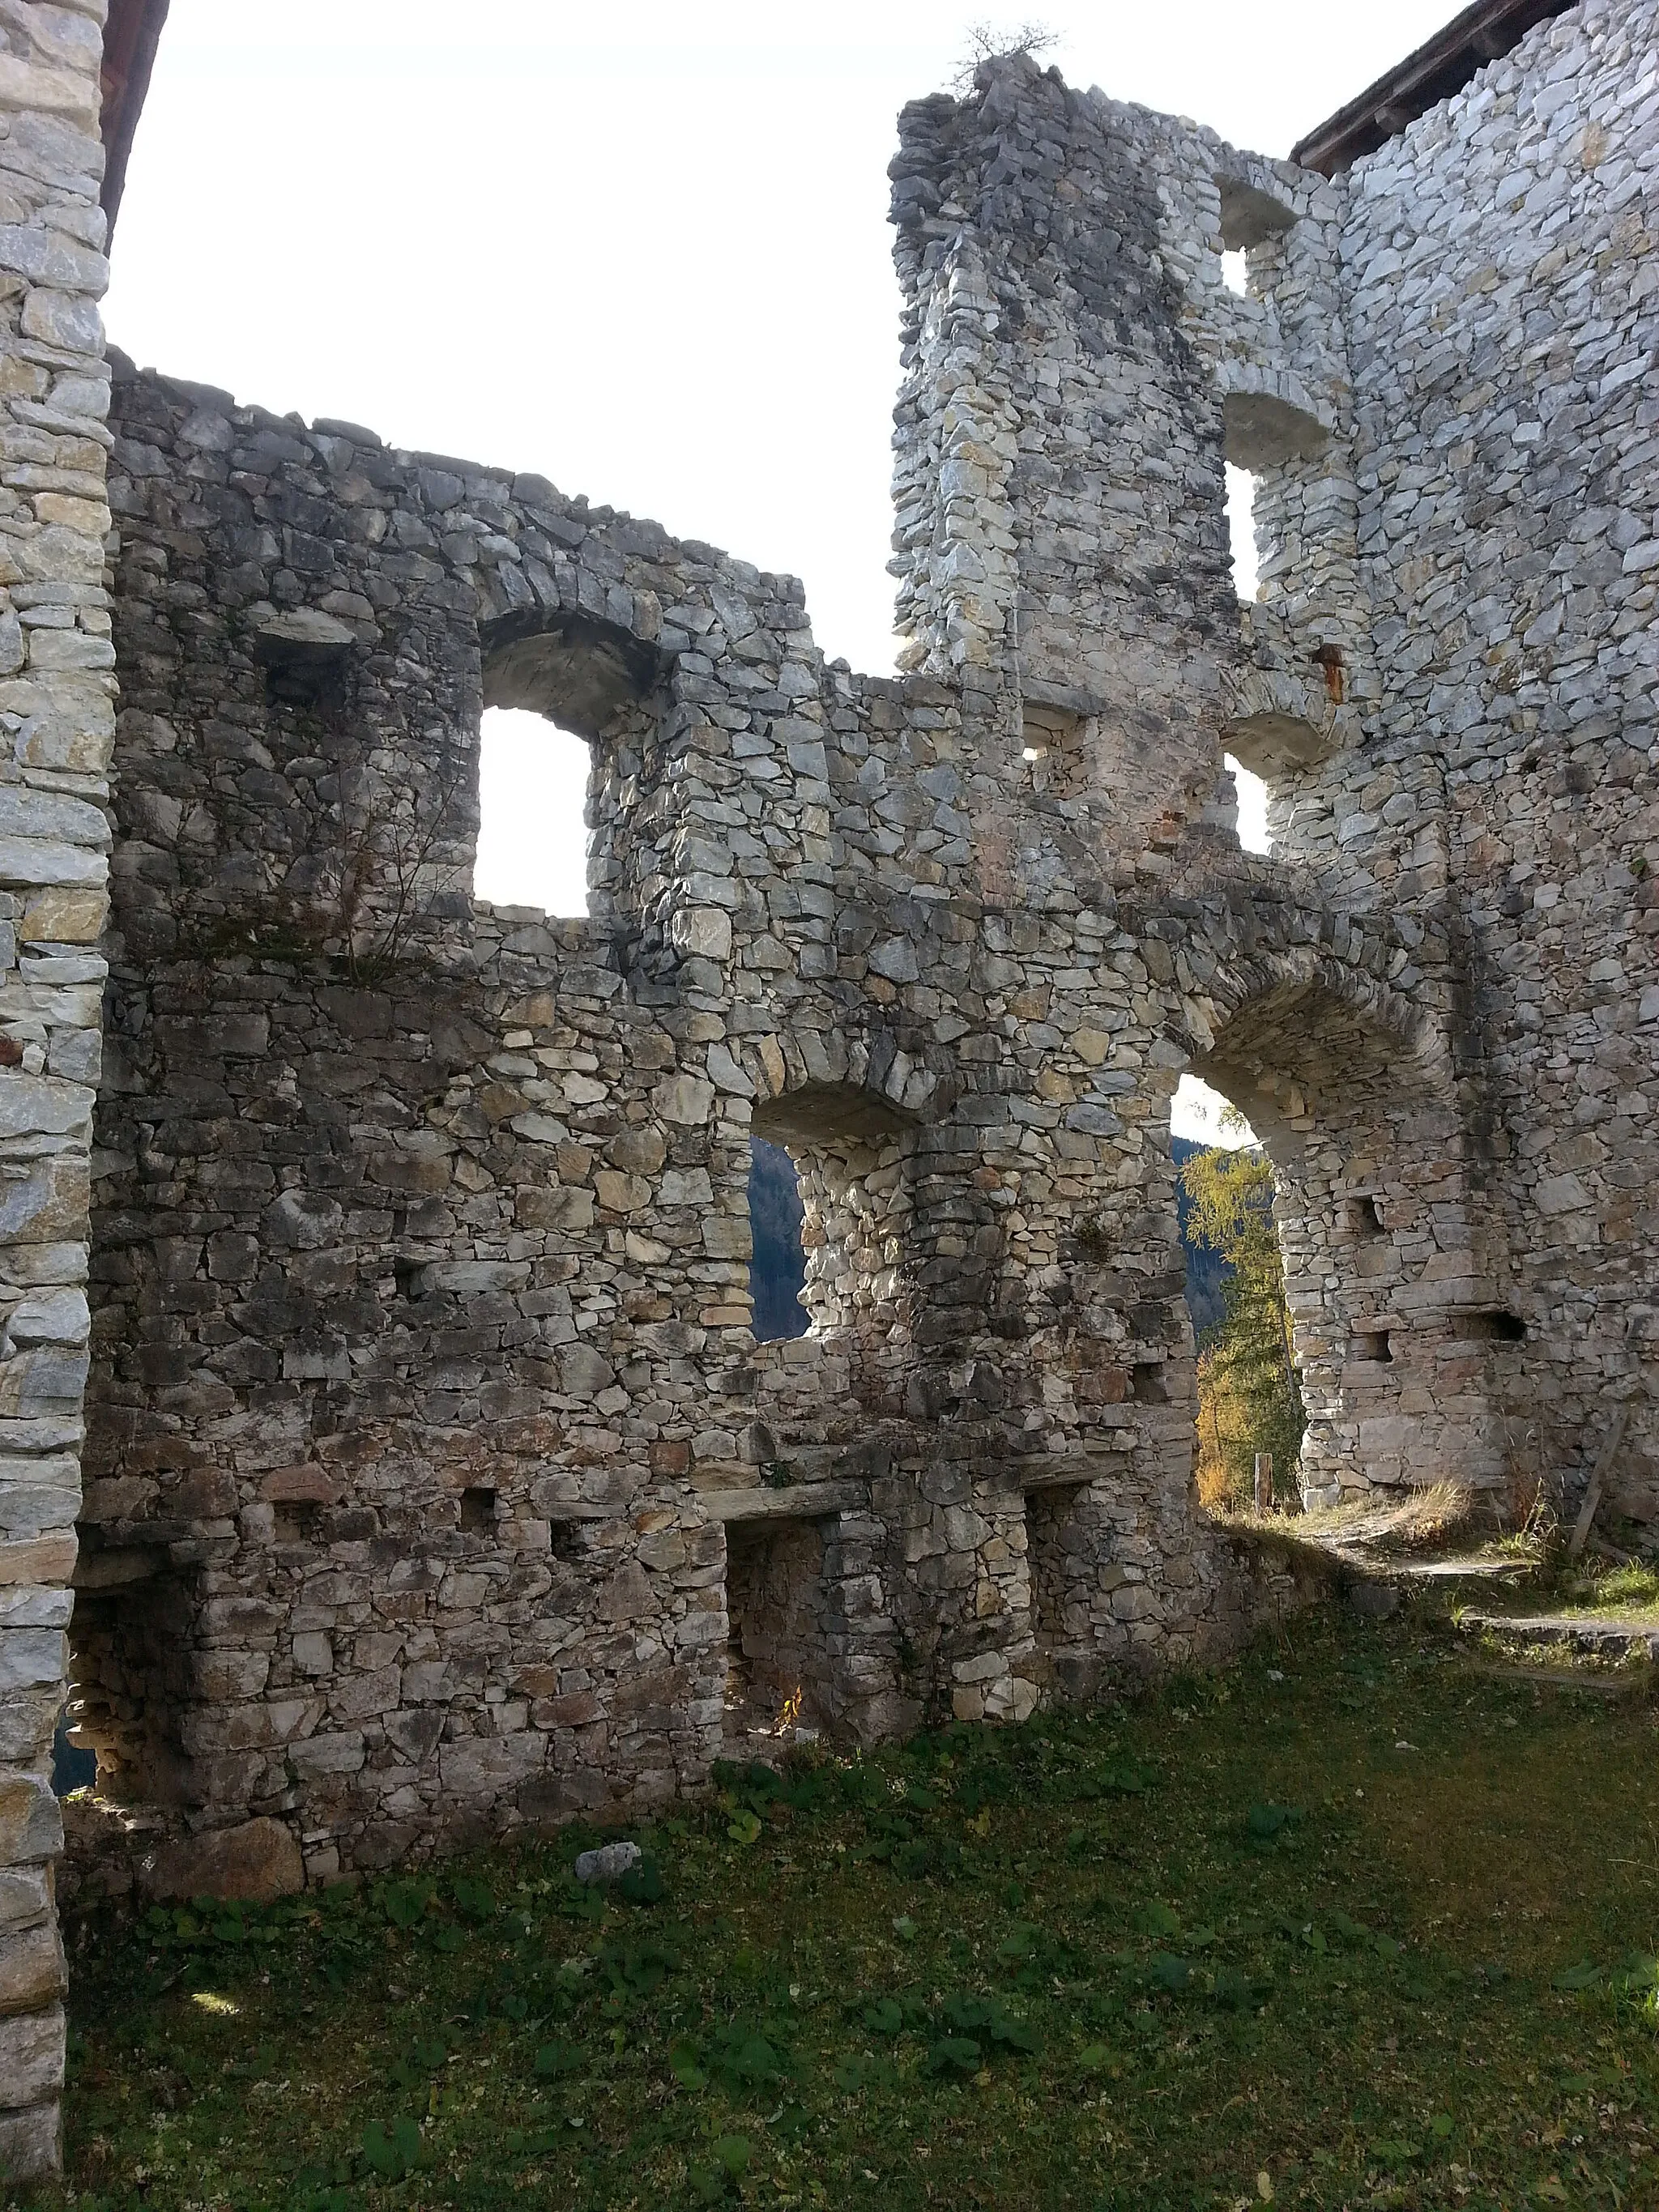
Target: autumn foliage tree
[(1249, 1395)]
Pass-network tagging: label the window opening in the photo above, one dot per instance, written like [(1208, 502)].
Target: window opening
[(567, 1542), (1241, 531), (74, 1763), (532, 796), (1235, 270), (1365, 1218), (1250, 217), (1373, 1345), (1049, 1515), (1054, 748), (1148, 1385), (777, 1273), (295, 1522), (1252, 793), (478, 1509), (1493, 1327)]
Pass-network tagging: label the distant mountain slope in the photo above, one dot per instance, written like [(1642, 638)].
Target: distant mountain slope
[(780, 1266)]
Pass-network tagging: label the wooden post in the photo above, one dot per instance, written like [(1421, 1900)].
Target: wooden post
[(1264, 1482), (1604, 1458)]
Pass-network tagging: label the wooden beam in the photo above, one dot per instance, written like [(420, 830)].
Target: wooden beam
[(1442, 66), (1599, 1473), (132, 32)]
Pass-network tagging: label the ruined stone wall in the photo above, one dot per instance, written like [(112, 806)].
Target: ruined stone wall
[(1063, 256), (56, 714), (426, 1389), (1502, 310), (436, 1478), (1488, 272)]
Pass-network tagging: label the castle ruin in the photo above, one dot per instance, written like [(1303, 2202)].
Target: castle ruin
[(388, 1453)]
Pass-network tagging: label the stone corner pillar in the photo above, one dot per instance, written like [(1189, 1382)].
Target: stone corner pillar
[(57, 725)]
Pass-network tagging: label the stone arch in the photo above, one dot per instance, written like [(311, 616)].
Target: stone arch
[(585, 674), (1350, 1089)]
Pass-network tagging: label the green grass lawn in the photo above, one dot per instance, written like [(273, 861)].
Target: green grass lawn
[(1352, 1924)]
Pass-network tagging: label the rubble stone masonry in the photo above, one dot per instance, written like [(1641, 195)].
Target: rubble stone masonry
[(57, 712), (435, 1479)]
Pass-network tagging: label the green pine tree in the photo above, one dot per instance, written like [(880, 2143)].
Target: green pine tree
[(1249, 1393)]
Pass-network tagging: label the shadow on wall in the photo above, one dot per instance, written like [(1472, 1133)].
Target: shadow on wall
[(778, 1273)]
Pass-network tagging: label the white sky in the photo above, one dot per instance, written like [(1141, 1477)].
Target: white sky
[(639, 248)]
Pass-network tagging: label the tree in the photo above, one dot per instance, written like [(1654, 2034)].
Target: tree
[(1250, 1395), (990, 41)]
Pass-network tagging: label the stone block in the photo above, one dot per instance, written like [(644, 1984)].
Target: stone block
[(30, 2057), (50, 1201), (32, 1971), (31, 1826), (30, 2142), (257, 1862), (64, 916)]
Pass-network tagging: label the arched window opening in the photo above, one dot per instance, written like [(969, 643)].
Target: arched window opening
[(777, 1269), (571, 704), (1372, 1219), (1251, 216), (532, 797)]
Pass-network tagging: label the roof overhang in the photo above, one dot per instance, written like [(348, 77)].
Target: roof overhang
[(1439, 68), (132, 32)]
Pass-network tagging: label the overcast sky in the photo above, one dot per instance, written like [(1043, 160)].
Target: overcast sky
[(639, 248)]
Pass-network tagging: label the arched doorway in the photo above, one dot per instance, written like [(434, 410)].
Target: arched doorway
[(1386, 1274)]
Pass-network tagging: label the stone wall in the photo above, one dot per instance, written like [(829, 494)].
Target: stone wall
[(435, 1478), (1501, 296), (56, 693), (426, 1392)]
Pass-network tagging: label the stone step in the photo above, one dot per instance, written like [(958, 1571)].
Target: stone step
[(1585, 1638)]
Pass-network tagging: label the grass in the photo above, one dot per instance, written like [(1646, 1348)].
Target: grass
[(1626, 1595), (1354, 1925), (1416, 1518), (1628, 1592)]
